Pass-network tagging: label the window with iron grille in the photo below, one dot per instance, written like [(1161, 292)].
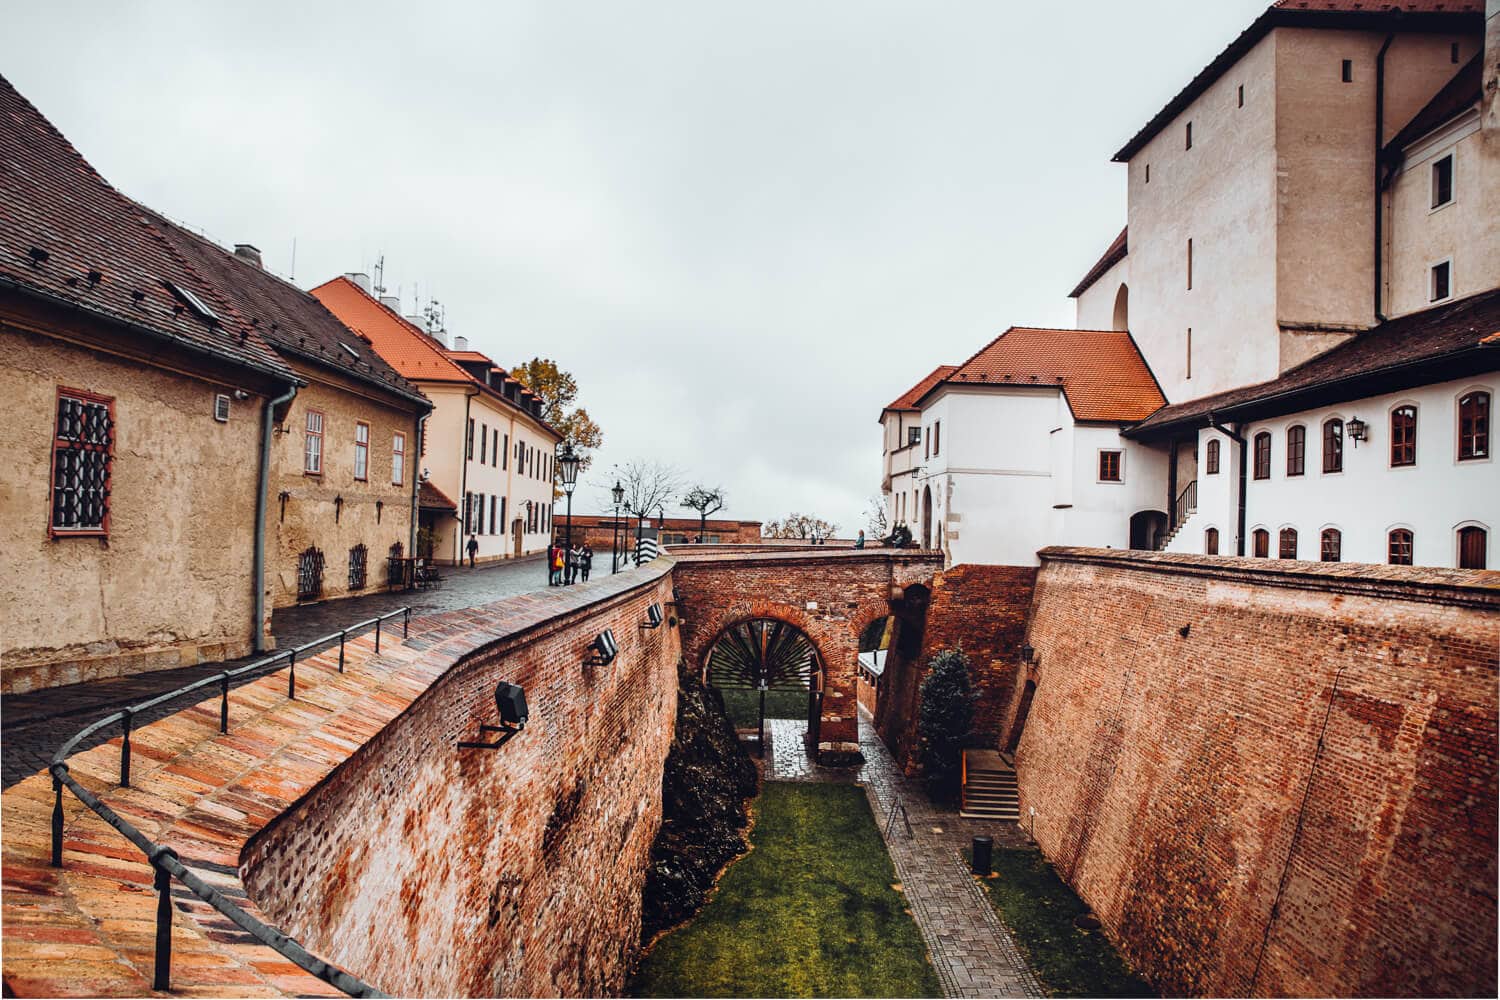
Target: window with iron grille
[(1263, 455), (312, 444), (1333, 545), (1333, 446), (1404, 435), (309, 574), (361, 450), (1288, 543), (358, 559), (1296, 450), (82, 461), (1473, 426), (1399, 547), (1211, 458), (1473, 541)]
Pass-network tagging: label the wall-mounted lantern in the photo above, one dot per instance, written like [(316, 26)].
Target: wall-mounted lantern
[(653, 617), (284, 496), (379, 506), (338, 508), (510, 704), (1357, 430), (1028, 654), (604, 649)]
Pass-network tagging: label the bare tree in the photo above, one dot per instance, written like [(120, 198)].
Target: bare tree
[(798, 526), (649, 486), (877, 525), (705, 500)]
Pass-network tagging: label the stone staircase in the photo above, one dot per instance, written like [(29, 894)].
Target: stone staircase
[(989, 789)]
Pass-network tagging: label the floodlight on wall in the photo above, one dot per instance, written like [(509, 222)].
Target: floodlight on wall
[(676, 600), (653, 617), (1357, 430), (603, 650), (510, 705)]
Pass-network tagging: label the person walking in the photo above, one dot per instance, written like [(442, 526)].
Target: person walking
[(586, 561), (555, 557), (473, 550)]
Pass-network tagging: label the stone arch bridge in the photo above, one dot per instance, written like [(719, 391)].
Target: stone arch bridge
[(830, 595)]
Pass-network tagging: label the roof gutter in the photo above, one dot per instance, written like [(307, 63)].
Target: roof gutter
[(267, 429)]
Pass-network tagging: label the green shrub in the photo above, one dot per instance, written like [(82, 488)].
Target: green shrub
[(945, 721)]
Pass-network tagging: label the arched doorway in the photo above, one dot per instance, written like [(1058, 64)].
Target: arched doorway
[(1147, 529), (927, 517), (764, 668), (1122, 308)]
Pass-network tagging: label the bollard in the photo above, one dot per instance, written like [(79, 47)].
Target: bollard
[(125, 751), (983, 849)]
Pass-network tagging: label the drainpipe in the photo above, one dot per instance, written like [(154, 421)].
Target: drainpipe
[(416, 483), (260, 516), (1237, 438), (463, 479), (1379, 142)]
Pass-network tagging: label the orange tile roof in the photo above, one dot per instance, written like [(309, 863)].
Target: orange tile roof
[(1101, 372), (470, 356), (408, 350), (908, 399)]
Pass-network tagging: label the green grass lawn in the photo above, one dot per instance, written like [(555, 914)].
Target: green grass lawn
[(810, 911), (1039, 909), (743, 705)]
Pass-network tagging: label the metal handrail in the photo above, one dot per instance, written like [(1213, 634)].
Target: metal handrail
[(163, 859)]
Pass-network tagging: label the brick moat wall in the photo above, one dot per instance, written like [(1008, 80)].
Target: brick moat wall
[(1271, 778), (431, 871)]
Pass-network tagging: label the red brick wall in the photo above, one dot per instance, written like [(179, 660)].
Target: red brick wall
[(1170, 773), (432, 871)]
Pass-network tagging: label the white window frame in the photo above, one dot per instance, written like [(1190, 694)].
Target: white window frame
[(1458, 428), (1432, 181), (361, 451), (1098, 462), (1432, 267), (312, 457), (398, 458)]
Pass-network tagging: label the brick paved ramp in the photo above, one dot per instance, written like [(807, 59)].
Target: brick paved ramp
[(88, 929)]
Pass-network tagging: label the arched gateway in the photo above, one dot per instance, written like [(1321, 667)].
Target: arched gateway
[(765, 668)]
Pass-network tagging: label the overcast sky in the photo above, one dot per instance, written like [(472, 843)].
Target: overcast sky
[(745, 228)]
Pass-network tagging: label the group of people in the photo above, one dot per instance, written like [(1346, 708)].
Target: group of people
[(569, 565)]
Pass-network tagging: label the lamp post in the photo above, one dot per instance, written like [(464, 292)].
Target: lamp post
[(614, 535), (567, 464)]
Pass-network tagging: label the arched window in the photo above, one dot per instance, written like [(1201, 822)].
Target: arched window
[(1211, 458), (1263, 455), (1211, 541), (1262, 539), (1333, 445), (1399, 547), (1473, 426), (1333, 545), (1473, 545), (1288, 546), (1296, 450), (1404, 435)]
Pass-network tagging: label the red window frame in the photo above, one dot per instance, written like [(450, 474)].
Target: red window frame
[(1263, 455), (1399, 547), (53, 531), (1474, 426), (1287, 544), (1333, 446), (1262, 540), (398, 458), (1296, 450), (308, 435), (1211, 458), (1404, 436), (1110, 467), (1332, 545), (361, 452)]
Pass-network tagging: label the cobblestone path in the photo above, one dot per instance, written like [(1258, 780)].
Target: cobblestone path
[(34, 725), (972, 951)]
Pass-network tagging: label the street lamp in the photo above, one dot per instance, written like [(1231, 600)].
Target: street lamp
[(567, 464), (614, 536)]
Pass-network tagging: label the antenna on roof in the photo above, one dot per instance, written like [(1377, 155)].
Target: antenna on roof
[(294, 258), (380, 275)]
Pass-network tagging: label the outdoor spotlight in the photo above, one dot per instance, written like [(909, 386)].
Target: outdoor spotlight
[(510, 705), (653, 617), (604, 650), (1356, 428)]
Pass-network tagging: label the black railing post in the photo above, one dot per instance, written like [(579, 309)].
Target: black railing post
[(377, 635), (291, 675), (125, 750), (163, 977), (406, 623), (224, 704), (343, 634), (57, 822)]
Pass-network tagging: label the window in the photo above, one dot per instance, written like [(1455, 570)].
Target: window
[(484, 440), (1404, 435), (1346, 71), (1296, 450), (1211, 541), (1262, 540), (468, 513), (913, 436), (1332, 545), (312, 444), (1472, 543), (1399, 546), (1189, 347), (505, 456), (1148, 173), (1473, 426), (927, 447), (493, 513), (83, 450), (1109, 467), (1211, 458), (479, 513), (502, 515), (1442, 181), (358, 560), (221, 408), (1288, 543), (469, 441), (1333, 445), (1190, 264), (937, 437), (398, 458), (1263, 455), (1189, 134), (495, 449), (361, 450), (1441, 284), (1242, 95)]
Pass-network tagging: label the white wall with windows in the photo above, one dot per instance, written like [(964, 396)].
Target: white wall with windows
[(506, 500), (1433, 481)]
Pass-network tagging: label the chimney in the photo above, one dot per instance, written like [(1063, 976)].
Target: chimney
[(460, 343), (360, 278), (392, 302), (246, 252)]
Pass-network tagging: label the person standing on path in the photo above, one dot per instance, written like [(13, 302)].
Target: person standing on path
[(586, 561), (555, 557), (473, 550), (859, 542)]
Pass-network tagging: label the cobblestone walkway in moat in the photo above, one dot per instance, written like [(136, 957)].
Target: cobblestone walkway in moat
[(36, 724), (972, 951)]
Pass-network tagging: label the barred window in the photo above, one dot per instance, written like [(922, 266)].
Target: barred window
[(358, 558), (312, 446), (82, 460), (310, 574)]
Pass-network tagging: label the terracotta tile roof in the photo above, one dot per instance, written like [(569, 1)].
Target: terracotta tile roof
[(1112, 255), (408, 349), (1445, 15), (429, 497), (1101, 372), (470, 356), (908, 399), (1457, 96), (66, 234), (291, 320), (1447, 342)]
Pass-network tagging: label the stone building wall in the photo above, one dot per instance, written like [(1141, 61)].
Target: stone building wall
[(171, 584), (434, 871), (1271, 778)]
